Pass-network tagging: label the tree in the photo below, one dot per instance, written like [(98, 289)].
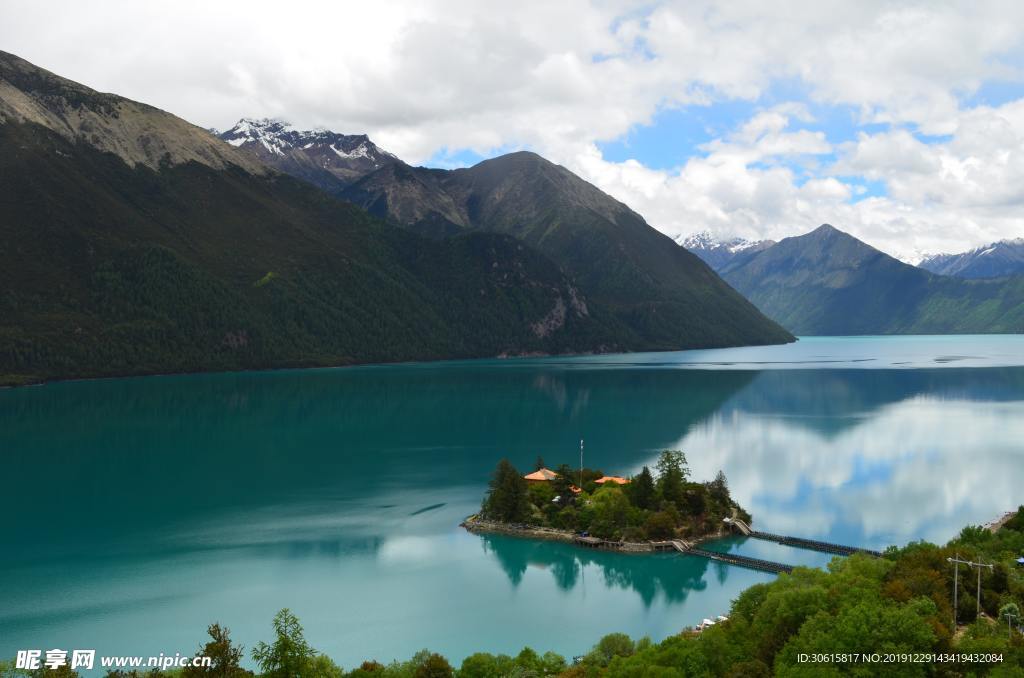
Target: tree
[(506, 500), (562, 484), (642, 490), (611, 646), (869, 625), (322, 666), (695, 501), (434, 666), (1016, 522), (367, 669), (539, 464), (719, 488), (615, 645), (673, 473), (611, 511), (485, 665), (659, 526), (224, 656), (289, 655)]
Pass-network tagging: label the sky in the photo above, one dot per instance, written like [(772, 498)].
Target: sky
[(899, 122)]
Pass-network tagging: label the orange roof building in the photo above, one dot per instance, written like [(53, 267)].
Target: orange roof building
[(612, 479), (541, 476)]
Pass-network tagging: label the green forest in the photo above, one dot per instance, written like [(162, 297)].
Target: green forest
[(663, 505), (898, 604), (107, 270)]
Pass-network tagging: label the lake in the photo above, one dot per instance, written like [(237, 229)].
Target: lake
[(135, 512)]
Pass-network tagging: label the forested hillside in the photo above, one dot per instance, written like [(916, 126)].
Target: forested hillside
[(829, 283)]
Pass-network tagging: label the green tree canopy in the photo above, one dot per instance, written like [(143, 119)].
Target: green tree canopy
[(224, 655), (507, 498), (289, 655), (643, 491), (719, 487), (434, 666), (673, 473), (611, 511)]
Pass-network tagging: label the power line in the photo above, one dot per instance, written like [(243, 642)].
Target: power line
[(957, 562)]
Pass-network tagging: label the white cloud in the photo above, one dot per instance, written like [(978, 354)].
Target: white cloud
[(421, 76)]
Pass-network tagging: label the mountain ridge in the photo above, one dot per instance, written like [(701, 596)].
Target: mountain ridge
[(997, 259), (138, 133), (719, 253), (324, 158), (126, 254), (113, 265), (830, 283), (655, 287)]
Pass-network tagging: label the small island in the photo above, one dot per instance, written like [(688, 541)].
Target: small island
[(646, 512)]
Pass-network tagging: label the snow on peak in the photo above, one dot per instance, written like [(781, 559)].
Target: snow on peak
[(278, 137), (269, 132), (704, 240)]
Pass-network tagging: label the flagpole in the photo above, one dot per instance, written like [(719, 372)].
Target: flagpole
[(581, 463)]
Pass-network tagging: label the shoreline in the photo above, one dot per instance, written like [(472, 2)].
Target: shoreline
[(477, 525), (348, 365), (28, 381)]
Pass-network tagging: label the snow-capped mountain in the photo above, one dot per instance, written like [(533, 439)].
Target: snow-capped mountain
[(322, 157), (720, 253), (994, 260)]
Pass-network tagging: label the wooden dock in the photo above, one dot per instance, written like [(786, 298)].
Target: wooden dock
[(692, 549), (799, 542), (741, 561)]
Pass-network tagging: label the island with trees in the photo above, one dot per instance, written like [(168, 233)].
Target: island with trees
[(629, 514)]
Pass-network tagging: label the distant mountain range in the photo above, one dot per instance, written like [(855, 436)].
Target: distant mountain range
[(829, 283), (665, 297), (1002, 258), (717, 253), (134, 242), (326, 159)]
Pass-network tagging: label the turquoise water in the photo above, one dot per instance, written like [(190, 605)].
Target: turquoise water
[(135, 512)]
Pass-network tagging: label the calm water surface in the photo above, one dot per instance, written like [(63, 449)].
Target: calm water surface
[(135, 512)]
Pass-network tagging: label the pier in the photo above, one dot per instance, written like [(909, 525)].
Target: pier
[(741, 561), (731, 558), (799, 542), (473, 523)]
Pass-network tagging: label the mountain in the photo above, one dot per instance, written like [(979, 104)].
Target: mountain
[(140, 135), (829, 283), (1002, 258), (718, 254), (665, 295), (326, 159), (132, 242)]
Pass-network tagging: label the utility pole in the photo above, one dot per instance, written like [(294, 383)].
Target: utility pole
[(1009, 625), (957, 562), (990, 569), (956, 582)]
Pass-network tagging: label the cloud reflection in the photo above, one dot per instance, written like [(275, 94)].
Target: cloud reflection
[(920, 468)]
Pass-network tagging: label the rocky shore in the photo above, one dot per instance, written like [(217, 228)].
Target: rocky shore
[(478, 525)]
